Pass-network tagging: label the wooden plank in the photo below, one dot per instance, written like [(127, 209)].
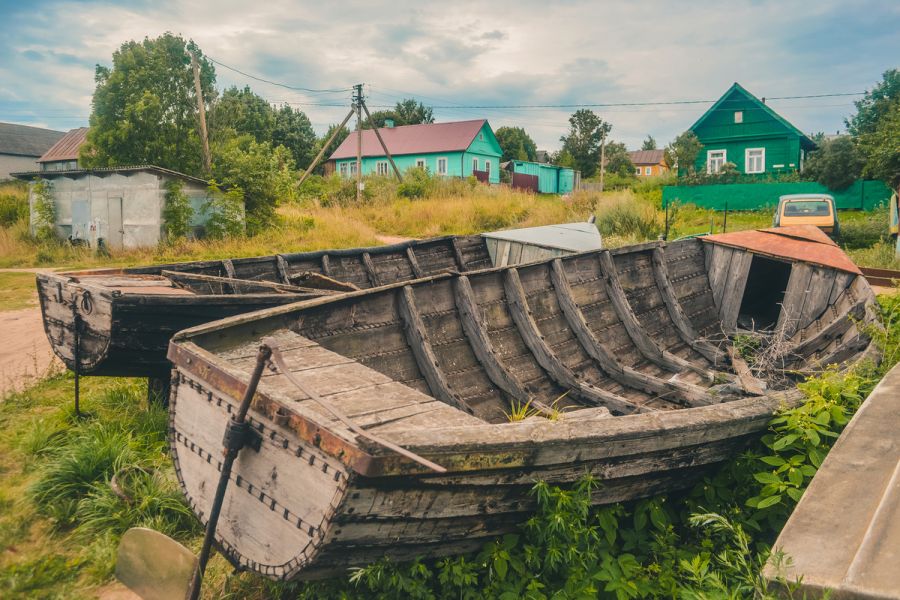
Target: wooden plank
[(817, 295), (636, 332), (733, 292), (414, 262), (370, 269), (841, 281), (229, 267), (792, 306), (480, 341), (414, 329), (676, 312), (326, 265), (751, 384), (528, 328), (719, 259)]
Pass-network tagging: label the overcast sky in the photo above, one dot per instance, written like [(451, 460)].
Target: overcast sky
[(453, 54)]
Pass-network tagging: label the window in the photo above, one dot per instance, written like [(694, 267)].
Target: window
[(738, 116), (480, 137), (637, 170), (381, 167), (715, 159), (754, 160), (647, 170), (487, 166), (352, 169), (420, 163), (343, 169), (474, 164), (442, 166)]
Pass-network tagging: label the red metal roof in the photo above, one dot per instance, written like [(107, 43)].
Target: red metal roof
[(427, 138), (800, 242), (67, 147)]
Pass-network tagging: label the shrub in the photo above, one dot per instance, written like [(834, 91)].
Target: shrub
[(628, 216), (177, 212), (225, 212), (44, 210), (416, 183), (13, 205)]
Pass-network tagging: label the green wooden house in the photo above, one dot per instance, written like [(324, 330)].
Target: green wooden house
[(454, 149), (741, 129)]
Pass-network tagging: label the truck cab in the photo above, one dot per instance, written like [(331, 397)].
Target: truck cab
[(808, 209)]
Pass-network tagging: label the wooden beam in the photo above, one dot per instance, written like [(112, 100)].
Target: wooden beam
[(370, 269), (625, 375), (835, 329), (549, 361), (751, 384), (676, 313), (414, 262), (178, 276), (326, 265), (228, 266), (635, 330), (458, 255), (414, 329), (283, 271)]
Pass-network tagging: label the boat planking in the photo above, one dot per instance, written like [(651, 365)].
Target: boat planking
[(124, 318), (622, 359)]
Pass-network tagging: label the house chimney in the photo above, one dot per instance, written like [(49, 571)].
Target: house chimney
[(389, 123)]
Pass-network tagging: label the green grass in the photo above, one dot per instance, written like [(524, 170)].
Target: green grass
[(17, 290)]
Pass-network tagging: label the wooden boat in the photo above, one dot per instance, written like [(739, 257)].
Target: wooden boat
[(127, 316), (382, 423)]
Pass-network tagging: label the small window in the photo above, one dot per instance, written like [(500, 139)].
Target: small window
[(715, 160), (755, 160), (474, 164), (343, 169), (420, 163), (442, 166), (637, 170), (352, 168), (480, 137), (647, 170), (738, 116), (487, 166), (381, 167)]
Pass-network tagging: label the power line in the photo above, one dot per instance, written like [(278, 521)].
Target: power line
[(284, 85)]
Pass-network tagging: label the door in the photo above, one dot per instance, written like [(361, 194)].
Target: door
[(116, 233)]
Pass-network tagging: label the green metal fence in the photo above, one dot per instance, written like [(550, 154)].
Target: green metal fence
[(862, 195)]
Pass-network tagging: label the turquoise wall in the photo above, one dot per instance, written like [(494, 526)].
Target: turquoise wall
[(484, 148), (862, 195), (782, 154), (552, 179)]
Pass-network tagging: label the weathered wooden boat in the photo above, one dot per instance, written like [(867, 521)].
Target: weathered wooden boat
[(389, 421), (126, 317)]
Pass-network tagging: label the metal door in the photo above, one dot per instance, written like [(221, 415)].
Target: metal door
[(116, 231)]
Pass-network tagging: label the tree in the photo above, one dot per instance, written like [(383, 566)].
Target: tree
[(405, 112), (876, 127), (682, 153), (241, 112), (836, 163), (340, 137), (516, 144), (586, 130), (144, 107), (264, 173), (617, 160), (649, 143), (294, 131)]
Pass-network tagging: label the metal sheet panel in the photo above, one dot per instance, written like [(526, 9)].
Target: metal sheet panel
[(571, 237)]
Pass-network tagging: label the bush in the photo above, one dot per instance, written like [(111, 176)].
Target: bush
[(177, 212), (44, 210), (13, 205), (628, 216), (225, 213), (416, 183)]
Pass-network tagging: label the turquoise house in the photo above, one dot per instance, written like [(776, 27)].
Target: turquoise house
[(542, 177), (742, 129), (455, 149)]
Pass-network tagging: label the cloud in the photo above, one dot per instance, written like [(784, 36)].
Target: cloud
[(471, 53)]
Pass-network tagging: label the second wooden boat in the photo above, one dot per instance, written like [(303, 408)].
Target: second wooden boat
[(413, 419)]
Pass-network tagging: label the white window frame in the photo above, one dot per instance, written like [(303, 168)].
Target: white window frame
[(352, 168), (762, 160), (738, 116), (487, 166), (637, 171), (421, 164), (442, 164), (343, 169), (474, 164), (714, 156), (648, 170), (381, 167)]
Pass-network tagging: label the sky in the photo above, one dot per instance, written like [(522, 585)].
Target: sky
[(459, 55)]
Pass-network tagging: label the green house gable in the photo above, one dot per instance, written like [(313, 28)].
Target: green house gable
[(741, 129)]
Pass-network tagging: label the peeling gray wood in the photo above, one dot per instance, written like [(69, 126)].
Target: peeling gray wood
[(229, 267), (283, 270), (414, 262), (794, 296), (370, 269), (458, 255), (326, 265), (733, 291)]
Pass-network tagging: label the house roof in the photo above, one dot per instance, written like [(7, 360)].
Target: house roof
[(428, 138), (23, 140), (647, 157), (762, 105), (67, 147), (104, 171)]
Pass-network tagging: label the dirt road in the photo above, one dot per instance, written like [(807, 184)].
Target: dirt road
[(25, 354)]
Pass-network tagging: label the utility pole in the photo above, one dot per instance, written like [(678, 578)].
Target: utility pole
[(357, 101), (204, 137)]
